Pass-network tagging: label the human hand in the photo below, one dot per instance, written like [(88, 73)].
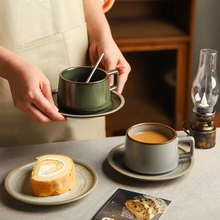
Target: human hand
[(101, 41), (113, 59), (30, 89)]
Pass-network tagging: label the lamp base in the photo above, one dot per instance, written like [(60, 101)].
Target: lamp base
[(203, 130), (203, 139)]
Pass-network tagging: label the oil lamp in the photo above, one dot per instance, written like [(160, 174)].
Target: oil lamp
[(204, 93)]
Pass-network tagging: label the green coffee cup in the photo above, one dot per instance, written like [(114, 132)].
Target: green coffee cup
[(77, 96)]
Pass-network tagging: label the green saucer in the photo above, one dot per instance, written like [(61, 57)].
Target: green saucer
[(117, 102)]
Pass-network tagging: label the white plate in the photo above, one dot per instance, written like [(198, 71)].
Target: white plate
[(115, 159), (17, 184)]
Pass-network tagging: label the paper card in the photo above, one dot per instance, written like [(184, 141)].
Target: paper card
[(115, 209)]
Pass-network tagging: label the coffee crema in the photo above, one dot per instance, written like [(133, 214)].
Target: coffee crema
[(150, 137)]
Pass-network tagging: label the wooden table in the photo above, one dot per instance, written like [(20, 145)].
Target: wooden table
[(195, 195)]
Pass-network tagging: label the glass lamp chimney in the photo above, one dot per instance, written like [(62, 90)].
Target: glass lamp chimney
[(205, 87)]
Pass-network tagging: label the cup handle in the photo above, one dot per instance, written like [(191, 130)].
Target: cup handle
[(116, 79), (191, 141)]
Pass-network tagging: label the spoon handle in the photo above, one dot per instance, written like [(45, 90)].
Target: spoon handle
[(90, 76)]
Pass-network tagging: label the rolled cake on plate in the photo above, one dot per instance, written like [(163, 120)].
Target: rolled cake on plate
[(52, 174)]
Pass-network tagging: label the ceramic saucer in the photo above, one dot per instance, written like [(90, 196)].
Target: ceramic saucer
[(115, 159), (117, 102), (18, 185)]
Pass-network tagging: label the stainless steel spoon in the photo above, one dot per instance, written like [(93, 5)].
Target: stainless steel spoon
[(96, 65)]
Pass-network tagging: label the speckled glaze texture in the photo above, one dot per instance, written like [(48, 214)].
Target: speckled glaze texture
[(154, 158), (75, 95)]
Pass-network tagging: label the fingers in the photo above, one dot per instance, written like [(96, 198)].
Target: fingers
[(39, 109), (35, 114), (46, 90), (122, 81), (31, 91), (46, 110), (113, 59), (42, 108), (123, 68), (123, 73)]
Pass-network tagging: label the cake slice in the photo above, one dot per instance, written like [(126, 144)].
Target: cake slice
[(145, 207), (52, 174)]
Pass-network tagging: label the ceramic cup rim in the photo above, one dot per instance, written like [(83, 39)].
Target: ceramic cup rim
[(151, 123), (82, 83)]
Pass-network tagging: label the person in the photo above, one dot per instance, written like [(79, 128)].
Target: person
[(39, 39)]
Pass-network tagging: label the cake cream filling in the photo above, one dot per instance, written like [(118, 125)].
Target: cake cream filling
[(44, 169)]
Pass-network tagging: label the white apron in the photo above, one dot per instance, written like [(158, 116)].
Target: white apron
[(52, 35)]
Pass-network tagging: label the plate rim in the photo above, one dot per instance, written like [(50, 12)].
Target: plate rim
[(146, 177), (122, 102), (12, 192)]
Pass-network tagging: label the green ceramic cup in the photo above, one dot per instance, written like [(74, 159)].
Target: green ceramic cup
[(77, 96)]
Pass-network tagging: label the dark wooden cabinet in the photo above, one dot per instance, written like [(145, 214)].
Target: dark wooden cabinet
[(156, 37)]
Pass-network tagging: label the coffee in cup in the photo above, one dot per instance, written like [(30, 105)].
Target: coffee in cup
[(152, 148), (77, 96), (149, 137)]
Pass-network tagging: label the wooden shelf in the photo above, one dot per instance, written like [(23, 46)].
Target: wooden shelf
[(147, 26), (145, 30)]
